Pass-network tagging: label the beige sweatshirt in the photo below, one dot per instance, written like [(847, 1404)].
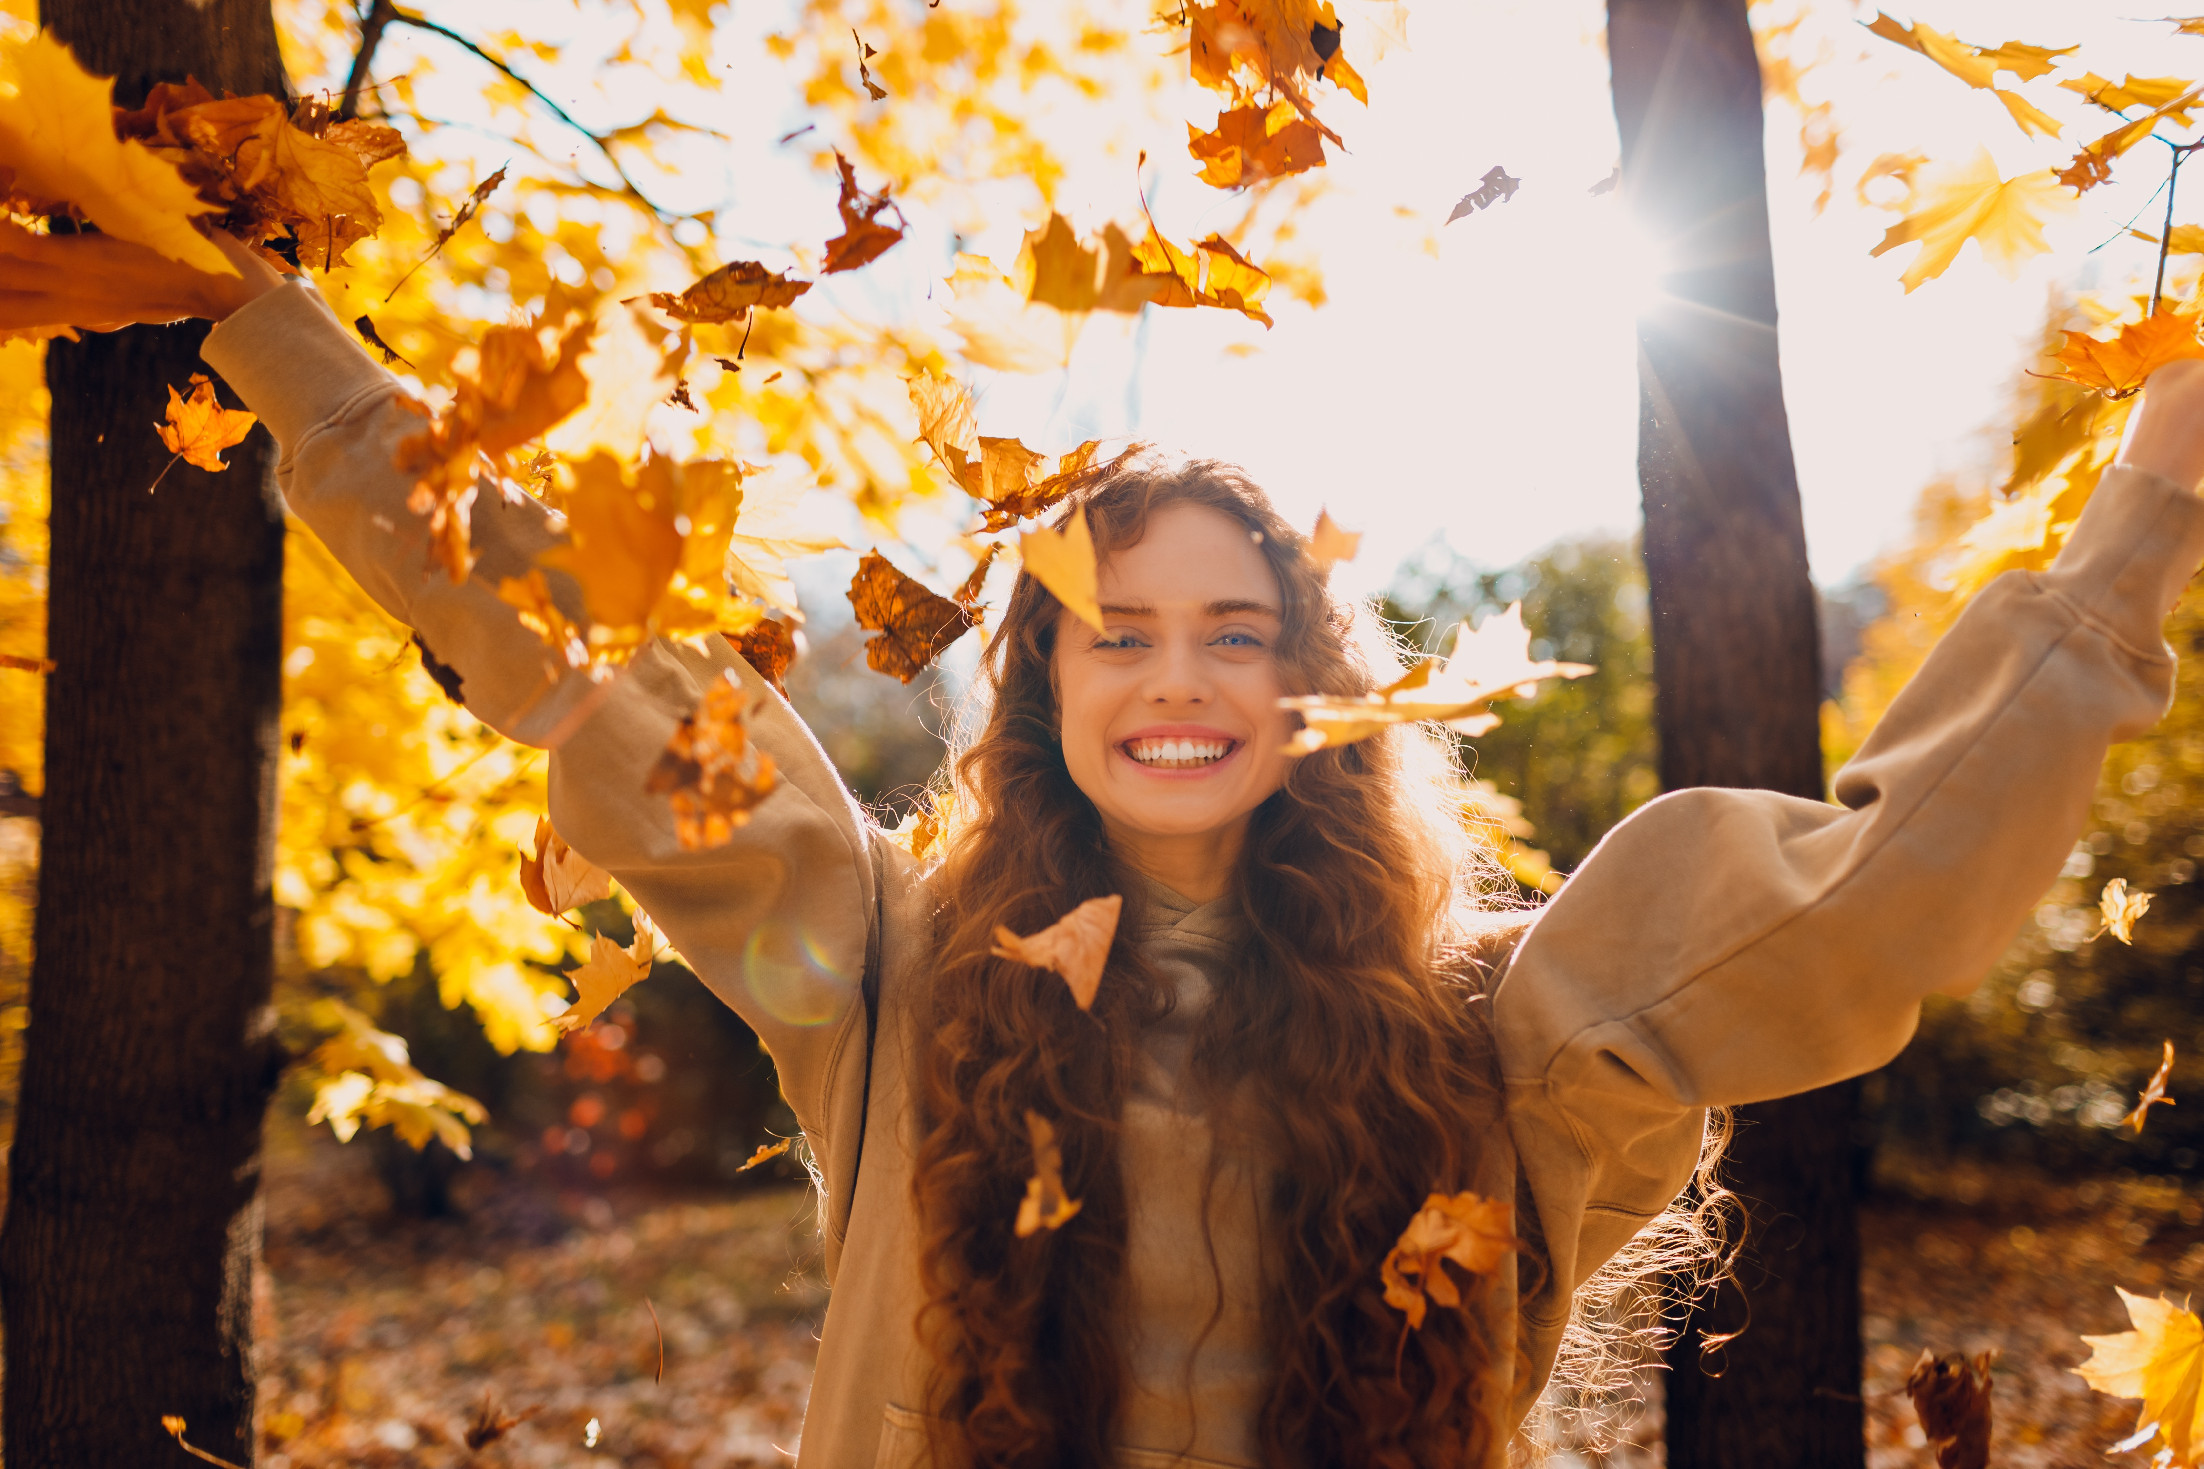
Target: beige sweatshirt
[(1719, 947)]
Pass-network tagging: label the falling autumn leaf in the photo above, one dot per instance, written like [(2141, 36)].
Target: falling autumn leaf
[(1951, 1396), (1016, 482), (1475, 1233), (1251, 144), (1329, 545), (1489, 663), (558, 879), (863, 238), (1494, 188), (2135, 91), (710, 773), (1978, 66), (198, 428), (2004, 217), (2093, 164), (2154, 1092), (492, 1422), (1076, 946), (365, 326), (1064, 562), (866, 53), (2119, 367), (923, 826), (609, 972), (1609, 184), (176, 1427), (2120, 909), (728, 293), (1045, 1205), (2162, 1362), (530, 597), (466, 211), (910, 623), (766, 1153), (57, 134), (769, 647)]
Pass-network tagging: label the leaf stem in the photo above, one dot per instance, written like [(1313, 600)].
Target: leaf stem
[(149, 489)]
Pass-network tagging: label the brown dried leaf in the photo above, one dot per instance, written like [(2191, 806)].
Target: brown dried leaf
[(769, 647), (863, 238), (728, 293), (710, 773), (1076, 946), (1951, 1395), (1475, 1233), (558, 879), (1045, 1205), (2154, 1092), (911, 623)]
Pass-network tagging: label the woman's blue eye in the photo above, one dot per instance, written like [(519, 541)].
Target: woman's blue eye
[(1239, 639)]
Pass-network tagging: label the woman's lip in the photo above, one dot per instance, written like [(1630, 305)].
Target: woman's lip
[(1180, 732)]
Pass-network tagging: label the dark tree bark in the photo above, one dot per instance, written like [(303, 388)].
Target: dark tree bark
[(1736, 663), (133, 1225)]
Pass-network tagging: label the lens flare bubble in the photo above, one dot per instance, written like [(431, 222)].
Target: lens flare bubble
[(789, 972)]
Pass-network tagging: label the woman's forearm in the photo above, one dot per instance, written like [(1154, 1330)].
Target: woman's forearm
[(2166, 435)]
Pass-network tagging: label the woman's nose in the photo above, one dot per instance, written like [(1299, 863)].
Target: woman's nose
[(1178, 677)]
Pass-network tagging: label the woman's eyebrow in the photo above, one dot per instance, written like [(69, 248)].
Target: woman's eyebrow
[(1240, 607)]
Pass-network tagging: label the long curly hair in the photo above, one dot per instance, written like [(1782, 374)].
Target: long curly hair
[(1353, 1024)]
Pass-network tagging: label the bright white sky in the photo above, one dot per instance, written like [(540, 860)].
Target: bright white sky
[(1476, 382)]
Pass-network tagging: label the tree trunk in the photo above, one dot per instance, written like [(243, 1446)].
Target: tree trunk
[(1736, 663), (133, 1225)]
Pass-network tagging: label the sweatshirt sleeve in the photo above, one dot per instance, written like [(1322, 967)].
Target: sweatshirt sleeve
[(777, 921), (1731, 946)]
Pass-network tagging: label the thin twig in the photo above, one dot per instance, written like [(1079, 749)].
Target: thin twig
[(661, 1377), (423, 23), (372, 25), (2181, 152), (430, 790)]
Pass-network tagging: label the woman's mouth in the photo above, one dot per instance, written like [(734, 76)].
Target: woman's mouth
[(1178, 753)]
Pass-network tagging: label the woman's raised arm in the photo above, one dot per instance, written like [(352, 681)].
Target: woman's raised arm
[(1731, 946), (775, 922)]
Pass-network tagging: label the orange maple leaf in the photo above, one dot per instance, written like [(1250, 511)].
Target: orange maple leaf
[(863, 238), (1045, 1205), (2154, 1092), (2162, 1362), (766, 1153), (728, 293), (1329, 545), (911, 623), (1076, 946), (1951, 1397), (769, 647), (2118, 368), (710, 773), (1251, 144), (1475, 1233), (558, 879), (609, 972), (199, 429)]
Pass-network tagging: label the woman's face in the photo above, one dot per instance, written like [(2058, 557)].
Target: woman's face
[(1171, 723)]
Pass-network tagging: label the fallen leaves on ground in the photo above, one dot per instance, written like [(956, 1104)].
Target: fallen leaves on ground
[(2162, 1362), (1015, 482), (2154, 1092), (198, 428), (1476, 1233), (1045, 1205), (57, 135), (2004, 217), (1494, 188), (1951, 1396), (609, 972), (1064, 562), (709, 772), (2119, 367), (558, 879), (728, 293), (864, 238), (2120, 909), (1076, 946), (1489, 663), (910, 622), (1329, 545)]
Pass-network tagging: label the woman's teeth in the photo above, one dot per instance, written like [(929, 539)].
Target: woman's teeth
[(1178, 754)]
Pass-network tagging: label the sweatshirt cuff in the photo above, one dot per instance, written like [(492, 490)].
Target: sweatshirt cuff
[(2139, 540), (291, 362)]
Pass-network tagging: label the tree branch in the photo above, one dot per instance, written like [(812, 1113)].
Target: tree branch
[(604, 147), (2181, 151), (372, 25)]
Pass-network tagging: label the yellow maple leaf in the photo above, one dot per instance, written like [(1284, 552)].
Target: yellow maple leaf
[(2119, 367), (1076, 946), (558, 879), (539, 612), (198, 428), (609, 972), (1045, 1205), (1489, 663), (1064, 562), (1328, 544), (648, 550), (766, 1153), (1978, 66), (57, 138), (2004, 217), (1475, 1233), (1016, 482), (770, 531), (2121, 909), (709, 772), (366, 1077), (2135, 91), (2162, 1362)]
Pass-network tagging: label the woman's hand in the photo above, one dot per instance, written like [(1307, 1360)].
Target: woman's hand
[(101, 283), (2166, 435)]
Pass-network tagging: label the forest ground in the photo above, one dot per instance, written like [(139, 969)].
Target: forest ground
[(383, 1337)]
